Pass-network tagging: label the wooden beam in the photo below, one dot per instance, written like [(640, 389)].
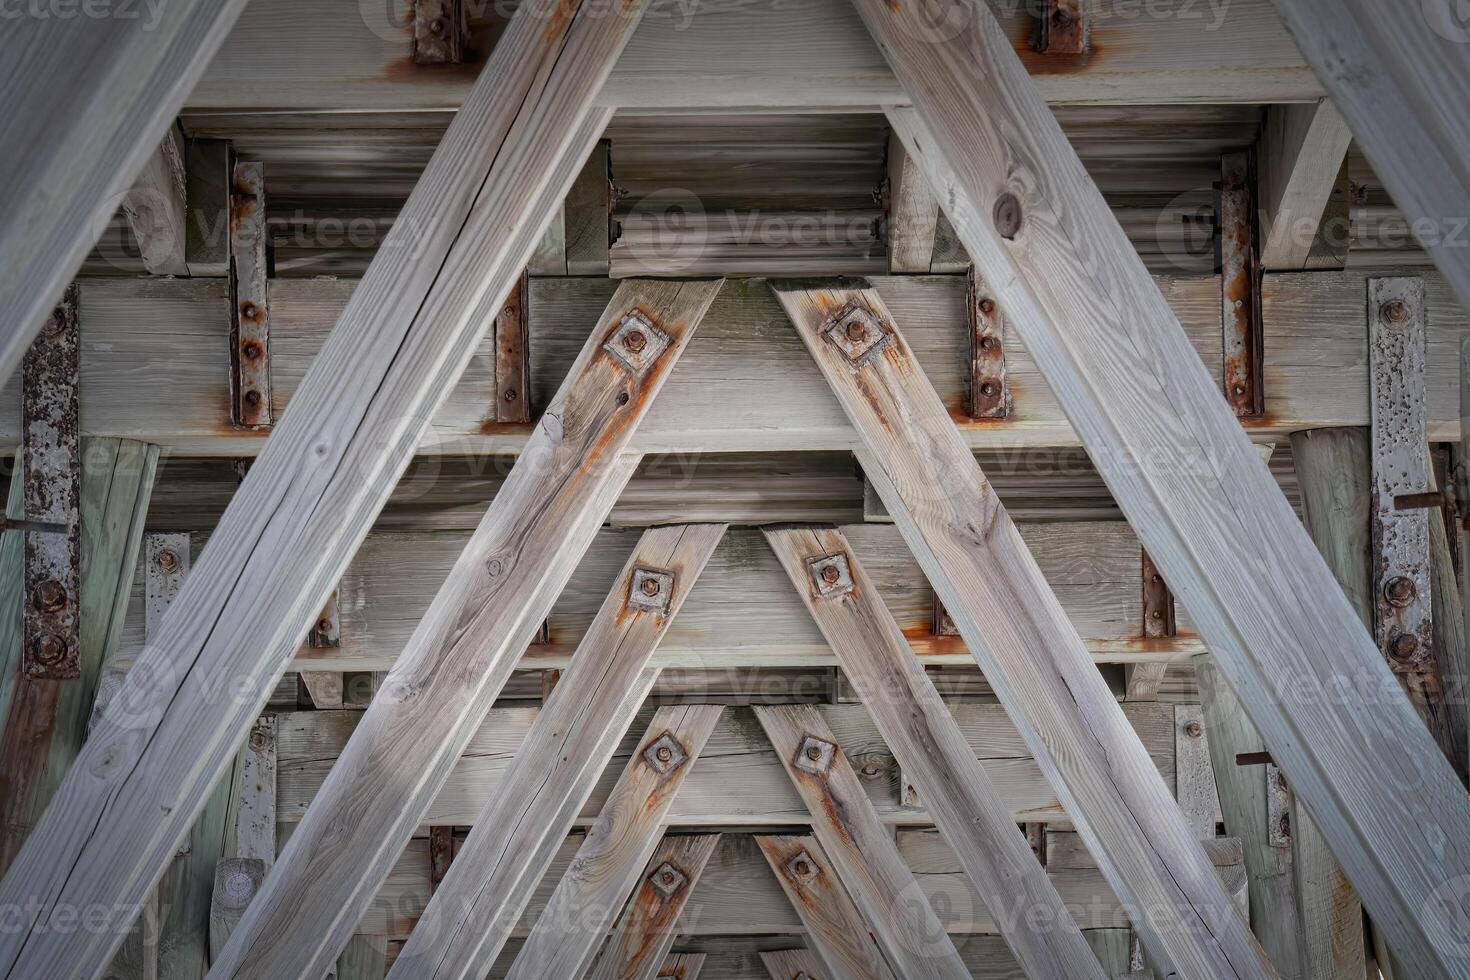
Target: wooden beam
[(587, 900), (562, 756), (649, 925), (913, 213), (833, 923), (462, 652), (307, 502), (726, 54), (932, 750), (1298, 161), (90, 99), (155, 208), (1115, 356), (1015, 627), (1395, 79), (682, 966), (791, 964), (862, 853)]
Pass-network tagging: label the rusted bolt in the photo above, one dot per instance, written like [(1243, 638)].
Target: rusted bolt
[(48, 649), (249, 310), (1194, 729), (324, 625), (814, 753), (436, 26), (49, 596), (670, 878), (802, 868), (251, 350), (1008, 216), (1238, 389), (257, 742), (664, 753), (635, 341), (988, 389), (1400, 591), (167, 561), (856, 331), (1404, 646), (830, 575), (987, 306), (987, 343), (252, 398), (650, 586), (1395, 312), (511, 394)]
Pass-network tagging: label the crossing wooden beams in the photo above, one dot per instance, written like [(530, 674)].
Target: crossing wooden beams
[(463, 650), (563, 755), (1015, 628), (1183, 471), (89, 99), (932, 751), (1397, 77), (861, 852), (466, 232)]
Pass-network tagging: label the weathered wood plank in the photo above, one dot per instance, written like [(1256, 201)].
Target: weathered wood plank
[(1132, 385), (589, 896), (1299, 156), (307, 502), (1014, 625), (155, 208), (90, 97), (311, 56), (932, 750), (646, 932), (833, 923), (913, 213), (563, 755), (791, 964), (682, 966), (462, 651), (1395, 78), (862, 853)]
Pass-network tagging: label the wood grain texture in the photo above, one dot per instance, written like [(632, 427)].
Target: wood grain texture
[(560, 761), (913, 213), (1014, 625), (682, 966), (618, 846), (833, 924), (89, 99), (640, 943), (1300, 154), (860, 849), (1394, 78), (792, 964), (155, 208), (1114, 354), (461, 653), (930, 747)]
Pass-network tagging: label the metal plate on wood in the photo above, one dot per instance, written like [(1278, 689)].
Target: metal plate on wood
[(651, 590), (438, 32), (166, 562), (1062, 27), (815, 755), (512, 361), (831, 575), (250, 380), (1240, 282), (1278, 807), (990, 393), (668, 881), (51, 455), (857, 333), (1158, 603), (1396, 350)]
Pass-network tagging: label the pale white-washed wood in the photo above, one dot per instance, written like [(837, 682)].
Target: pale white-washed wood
[(792, 964), (324, 687), (558, 765), (833, 923), (1014, 625), (587, 900), (255, 814), (681, 966), (489, 608), (1275, 914), (860, 849), (89, 98), (1395, 79), (931, 748), (550, 257), (1299, 156), (409, 330), (310, 741), (154, 208), (1137, 396), (913, 212), (1194, 779), (648, 927), (364, 958), (585, 213)]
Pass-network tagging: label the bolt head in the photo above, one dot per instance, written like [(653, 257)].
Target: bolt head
[(1395, 312), (249, 310), (665, 754), (802, 867), (252, 398), (167, 561), (250, 349), (1400, 591), (650, 586), (988, 389), (1404, 646), (48, 649), (815, 755), (257, 742), (510, 395), (856, 331), (1238, 389), (324, 625), (667, 880), (987, 306), (830, 574), (1194, 729), (49, 596), (987, 343), (635, 341)]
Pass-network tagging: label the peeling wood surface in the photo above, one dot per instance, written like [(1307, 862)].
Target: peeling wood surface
[(640, 944), (461, 652)]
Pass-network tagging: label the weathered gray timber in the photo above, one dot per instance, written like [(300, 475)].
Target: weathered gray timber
[(1299, 159), (155, 208)]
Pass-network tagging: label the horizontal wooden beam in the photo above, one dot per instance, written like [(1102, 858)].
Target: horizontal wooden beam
[(743, 612), (153, 355), (341, 55), (309, 742)]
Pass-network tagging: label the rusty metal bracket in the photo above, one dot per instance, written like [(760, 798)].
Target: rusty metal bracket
[(831, 575), (512, 360), (665, 754), (990, 392), (636, 343), (250, 377), (815, 755), (651, 590), (858, 334), (1240, 285), (1062, 27), (52, 459), (440, 31), (1278, 807), (668, 881), (441, 855), (1396, 353), (1158, 602)]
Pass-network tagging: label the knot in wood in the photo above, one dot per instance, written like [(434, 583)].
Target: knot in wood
[(1008, 216), (49, 596)]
